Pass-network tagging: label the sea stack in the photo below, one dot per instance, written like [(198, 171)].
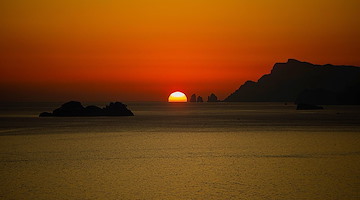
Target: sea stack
[(193, 98), (212, 98)]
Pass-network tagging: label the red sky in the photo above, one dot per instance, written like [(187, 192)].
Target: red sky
[(143, 50)]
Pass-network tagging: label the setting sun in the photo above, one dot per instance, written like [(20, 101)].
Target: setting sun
[(177, 97)]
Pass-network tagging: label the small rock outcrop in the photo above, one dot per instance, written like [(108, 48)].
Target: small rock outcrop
[(200, 99), (193, 98), (308, 107), (212, 98), (76, 109)]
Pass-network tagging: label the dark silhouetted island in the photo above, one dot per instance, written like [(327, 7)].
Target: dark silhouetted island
[(199, 99), (303, 83), (76, 109)]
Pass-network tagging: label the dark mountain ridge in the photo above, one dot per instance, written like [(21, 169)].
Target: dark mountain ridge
[(303, 82)]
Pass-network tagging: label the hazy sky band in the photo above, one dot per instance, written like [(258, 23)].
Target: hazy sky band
[(144, 50)]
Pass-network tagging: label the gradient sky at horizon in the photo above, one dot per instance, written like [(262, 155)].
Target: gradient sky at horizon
[(143, 50)]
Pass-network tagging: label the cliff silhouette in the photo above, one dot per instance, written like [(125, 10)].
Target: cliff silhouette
[(303, 83), (76, 109)]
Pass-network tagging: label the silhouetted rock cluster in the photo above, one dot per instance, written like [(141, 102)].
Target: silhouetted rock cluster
[(194, 99), (303, 83), (75, 108)]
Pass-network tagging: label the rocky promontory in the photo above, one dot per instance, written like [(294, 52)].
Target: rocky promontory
[(76, 109), (303, 83)]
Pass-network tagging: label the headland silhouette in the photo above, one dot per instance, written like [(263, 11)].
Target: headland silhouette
[(303, 83)]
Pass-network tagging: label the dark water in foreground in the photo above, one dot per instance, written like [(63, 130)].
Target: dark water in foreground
[(182, 151)]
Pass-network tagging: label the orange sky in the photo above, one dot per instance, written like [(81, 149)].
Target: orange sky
[(102, 50)]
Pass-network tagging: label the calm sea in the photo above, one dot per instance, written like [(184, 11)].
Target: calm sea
[(181, 151)]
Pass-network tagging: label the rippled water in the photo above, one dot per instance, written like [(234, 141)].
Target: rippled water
[(182, 151)]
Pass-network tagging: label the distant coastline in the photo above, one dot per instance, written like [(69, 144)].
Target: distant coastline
[(303, 83)]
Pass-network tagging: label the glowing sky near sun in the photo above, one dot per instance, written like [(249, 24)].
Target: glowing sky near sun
[(145, 49)]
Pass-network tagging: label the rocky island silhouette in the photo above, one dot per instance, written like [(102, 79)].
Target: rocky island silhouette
[(76, 109)]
